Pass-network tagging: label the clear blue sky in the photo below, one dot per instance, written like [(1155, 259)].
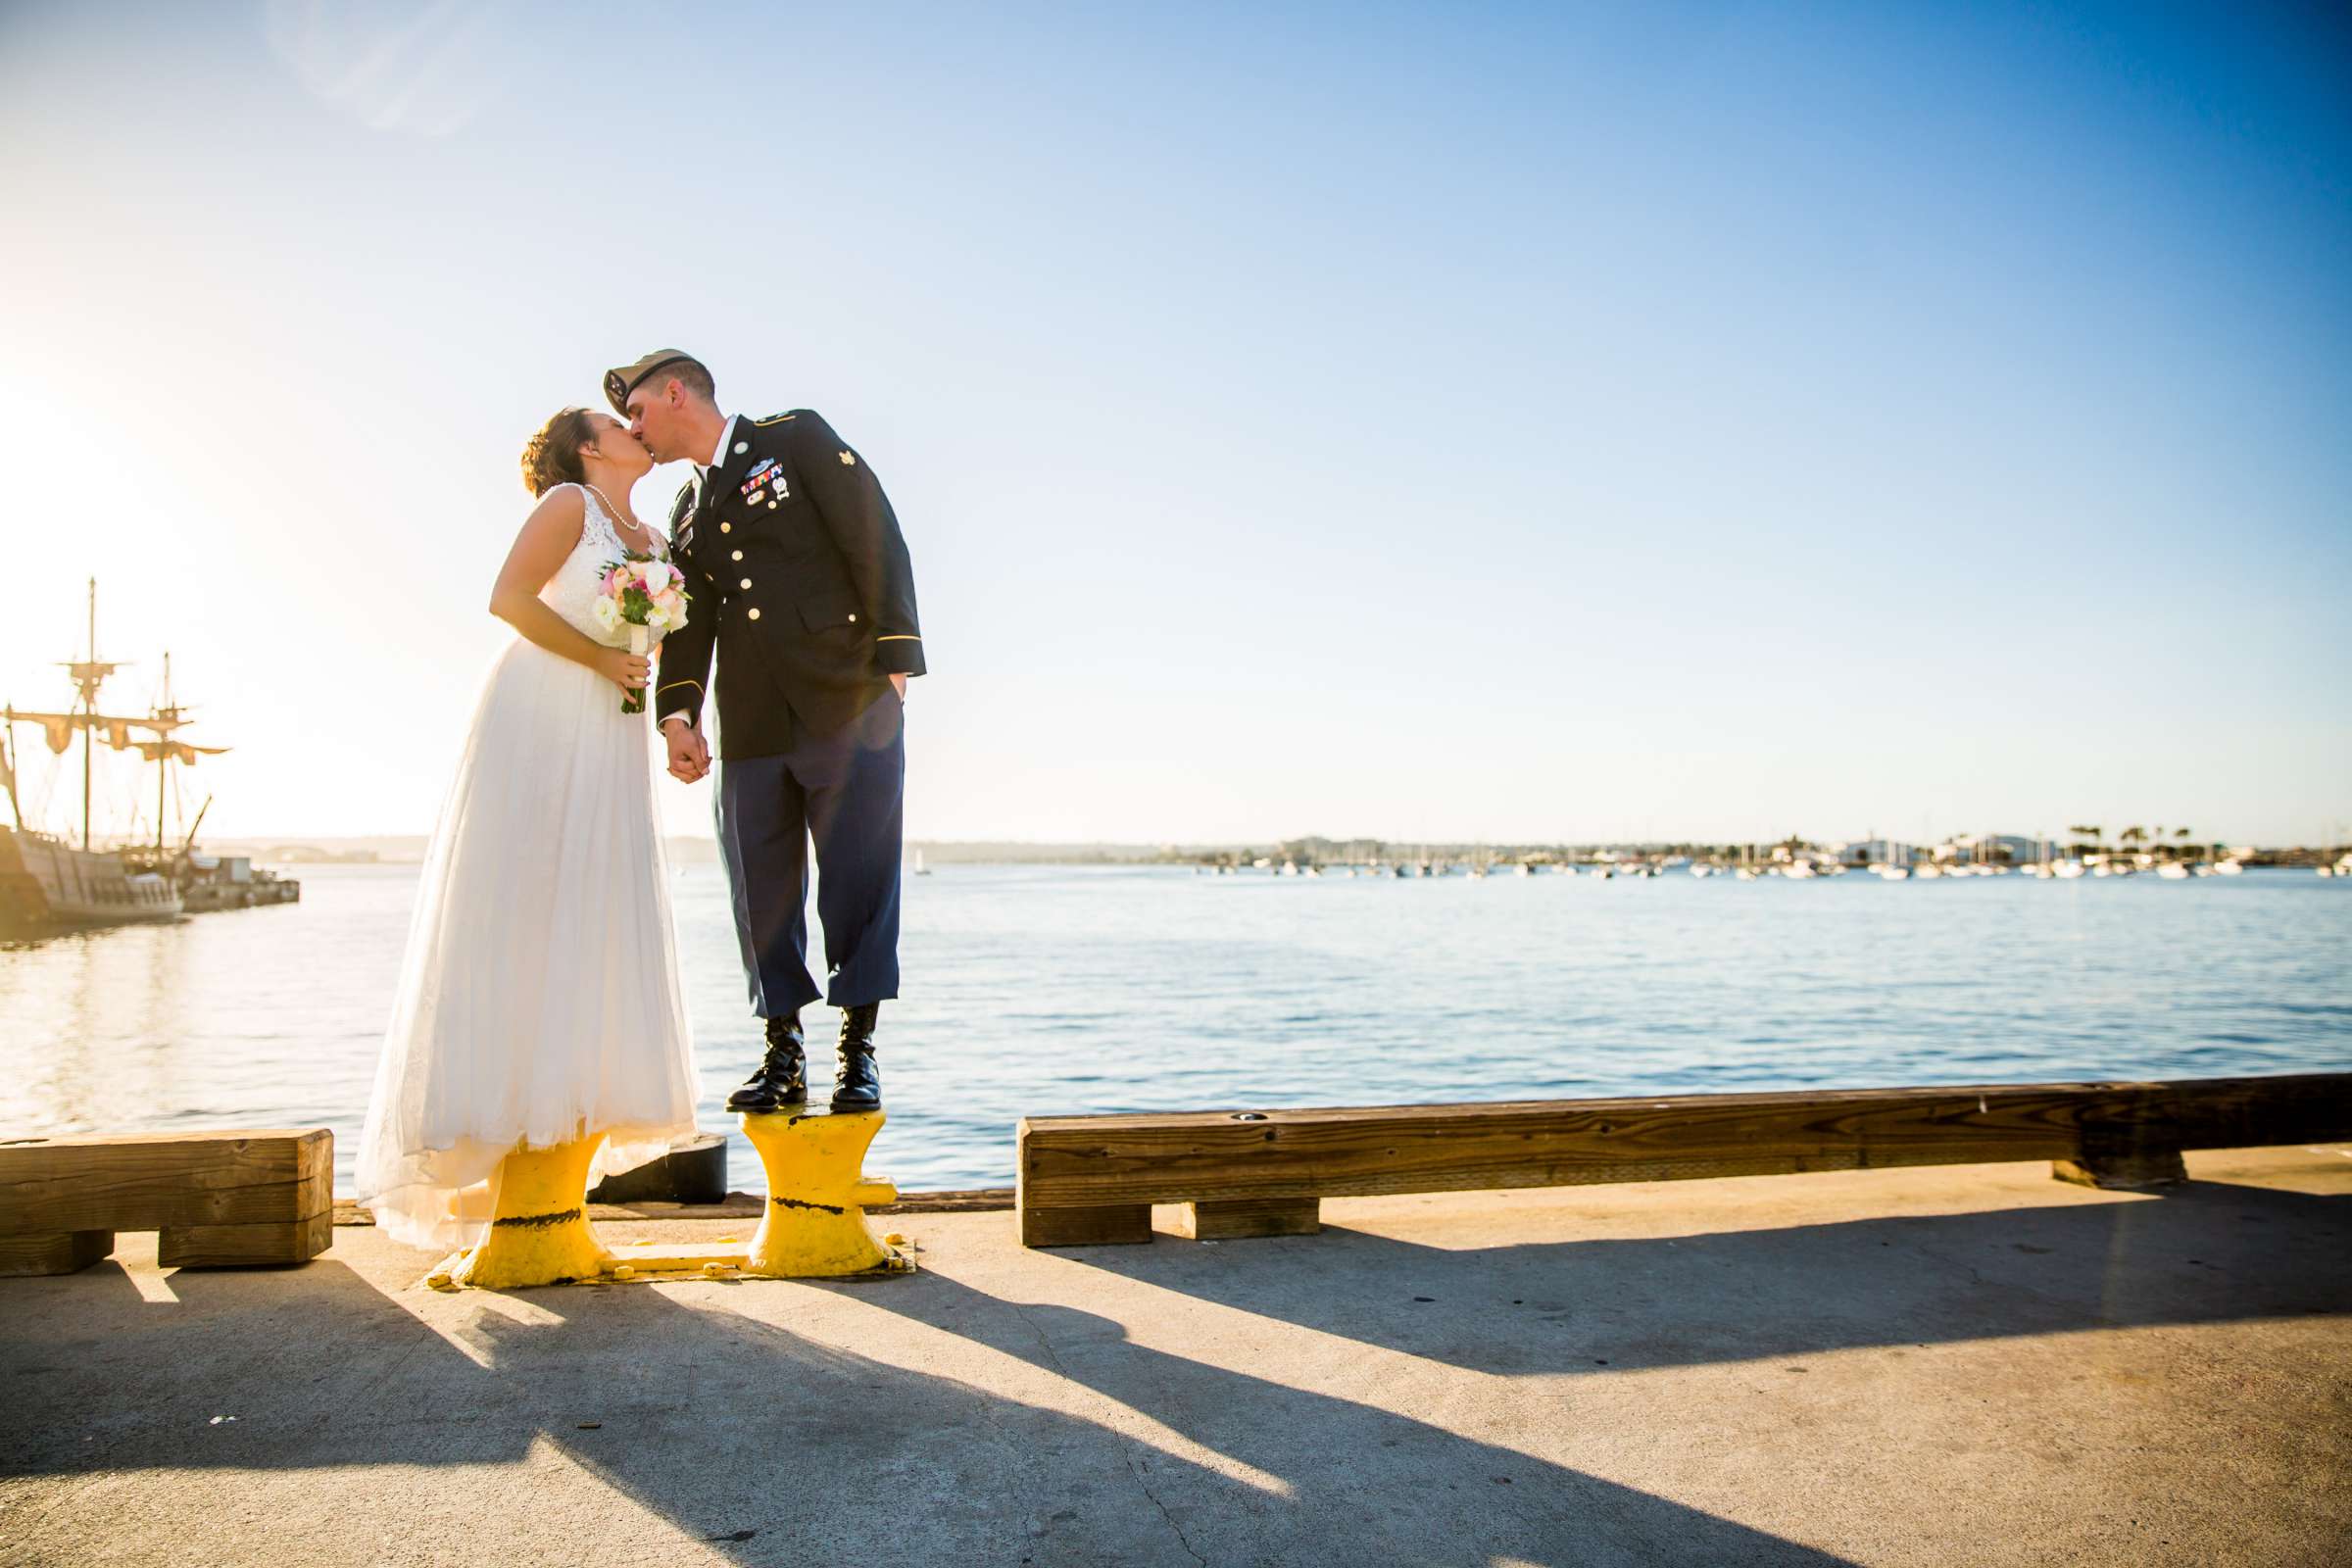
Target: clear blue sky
[(1428, 422)]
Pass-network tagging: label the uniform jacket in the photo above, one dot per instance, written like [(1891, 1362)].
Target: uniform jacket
[(801, 585)]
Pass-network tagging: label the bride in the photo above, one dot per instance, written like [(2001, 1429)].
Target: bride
[(539, 1004)]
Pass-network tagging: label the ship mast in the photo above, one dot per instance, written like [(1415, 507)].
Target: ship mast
[(163, 721), (8, 770), (163, 769), (86, 677)]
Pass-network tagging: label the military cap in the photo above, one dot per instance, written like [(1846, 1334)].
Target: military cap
[(619, 383)]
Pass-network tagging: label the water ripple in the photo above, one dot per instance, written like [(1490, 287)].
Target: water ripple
[(1047, 989)]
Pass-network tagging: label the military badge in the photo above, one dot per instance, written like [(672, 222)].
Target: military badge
[(849, 459), (768, 471)]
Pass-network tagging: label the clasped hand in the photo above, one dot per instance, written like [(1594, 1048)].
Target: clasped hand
[(689, 753)]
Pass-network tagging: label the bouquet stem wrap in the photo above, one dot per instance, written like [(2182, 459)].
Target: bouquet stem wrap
[(640, 639)]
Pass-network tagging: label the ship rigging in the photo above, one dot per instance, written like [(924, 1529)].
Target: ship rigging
[(49, 884)]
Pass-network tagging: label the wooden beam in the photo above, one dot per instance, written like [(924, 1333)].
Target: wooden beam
[(154, 1181), (1227, 1219), (1123, 1223), (2125, 1172), (52, 1251), (1106, 1163), (239, 1246)]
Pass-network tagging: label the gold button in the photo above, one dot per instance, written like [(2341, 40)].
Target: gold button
[(726, 527), (737, 556), (853, 615), (753, 612), (745, 583)]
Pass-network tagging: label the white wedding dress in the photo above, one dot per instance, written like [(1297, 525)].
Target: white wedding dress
[(539, 999)]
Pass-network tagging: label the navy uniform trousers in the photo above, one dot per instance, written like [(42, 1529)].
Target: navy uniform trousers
[(847, 790)]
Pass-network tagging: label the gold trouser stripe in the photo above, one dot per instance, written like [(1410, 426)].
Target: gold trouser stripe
[(898, 637)]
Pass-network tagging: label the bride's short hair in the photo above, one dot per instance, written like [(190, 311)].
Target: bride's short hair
[(553, 455)]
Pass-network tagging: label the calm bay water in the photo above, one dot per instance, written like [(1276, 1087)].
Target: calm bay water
[(1054, 990)]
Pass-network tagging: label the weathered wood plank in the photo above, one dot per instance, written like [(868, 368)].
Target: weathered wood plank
[(1109, 1223), (1196, 1156), (52, 1251), (2125, 1172), (148, 1181), (237, 1245), (1227, 1219)]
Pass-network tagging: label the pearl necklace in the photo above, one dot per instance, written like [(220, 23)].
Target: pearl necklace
[(615, 514)]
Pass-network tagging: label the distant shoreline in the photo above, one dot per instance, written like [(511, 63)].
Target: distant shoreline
[(693, 850)]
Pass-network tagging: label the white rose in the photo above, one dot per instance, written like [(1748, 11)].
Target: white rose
[(605, 612)]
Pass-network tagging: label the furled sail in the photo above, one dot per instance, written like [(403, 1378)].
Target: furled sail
[(112, 728), (178, 750)]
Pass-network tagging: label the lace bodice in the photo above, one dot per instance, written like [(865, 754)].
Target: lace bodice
[(577, 584)]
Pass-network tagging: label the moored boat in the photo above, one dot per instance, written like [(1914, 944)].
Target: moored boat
[(49, 884)]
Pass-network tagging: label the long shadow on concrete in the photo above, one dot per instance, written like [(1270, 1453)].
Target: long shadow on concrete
[(772, 1448), (2204, 1252)]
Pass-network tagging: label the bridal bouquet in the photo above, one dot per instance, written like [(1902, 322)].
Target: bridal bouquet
[(647, 596)]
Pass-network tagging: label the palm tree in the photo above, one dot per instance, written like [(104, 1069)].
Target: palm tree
[(2091, 832)]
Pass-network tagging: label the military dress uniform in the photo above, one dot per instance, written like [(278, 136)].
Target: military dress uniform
[(802, 590)]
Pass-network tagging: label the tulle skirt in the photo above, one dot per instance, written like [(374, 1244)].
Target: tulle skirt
[(539, 1000)]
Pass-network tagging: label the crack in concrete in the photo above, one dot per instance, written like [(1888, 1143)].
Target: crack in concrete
[(1181, 1538), (1127, 1445)]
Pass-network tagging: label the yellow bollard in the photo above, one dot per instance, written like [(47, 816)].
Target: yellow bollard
[(539, 1234), (816, 1221)]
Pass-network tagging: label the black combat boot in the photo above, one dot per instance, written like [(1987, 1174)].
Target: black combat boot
[(856, 1083), (781, 1079)]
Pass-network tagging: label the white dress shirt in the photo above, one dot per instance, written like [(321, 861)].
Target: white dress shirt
[(718, 454)]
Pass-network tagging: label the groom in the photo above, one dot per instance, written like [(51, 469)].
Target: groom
[(801, 584)]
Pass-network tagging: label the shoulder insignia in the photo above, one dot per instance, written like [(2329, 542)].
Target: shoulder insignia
[(775, 419), (849, 459)]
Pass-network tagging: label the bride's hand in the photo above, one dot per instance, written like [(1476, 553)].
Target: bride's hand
[(624, 670)]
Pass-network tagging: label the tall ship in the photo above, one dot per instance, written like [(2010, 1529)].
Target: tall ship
[(49, 884)]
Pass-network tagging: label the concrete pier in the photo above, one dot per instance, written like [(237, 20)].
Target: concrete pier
[(1956, 1365)]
